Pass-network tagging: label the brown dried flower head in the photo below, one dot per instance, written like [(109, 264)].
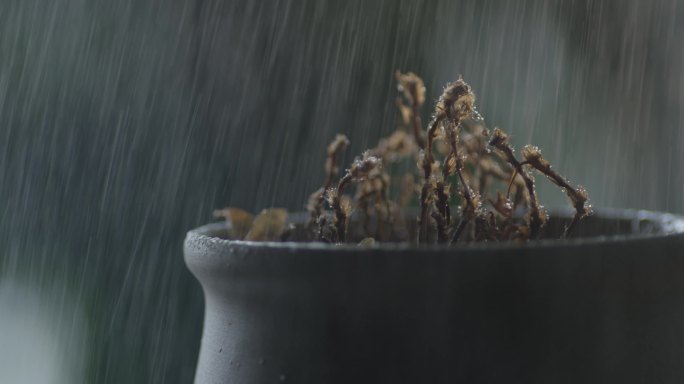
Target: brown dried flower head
[(533, 155), (412, 86), (362, 167), (457, 101), (401, 143), (499, 138), (338, 145)]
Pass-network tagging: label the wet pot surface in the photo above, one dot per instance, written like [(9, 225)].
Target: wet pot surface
[(609, 308)]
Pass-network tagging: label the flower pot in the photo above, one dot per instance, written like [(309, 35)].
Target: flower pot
[(604, 308)]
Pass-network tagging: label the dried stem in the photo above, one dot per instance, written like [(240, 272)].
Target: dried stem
[(454, 164), (442, 234), (449, 166), (426, 191), (469, 208), (335, 148), (579, 196), (442, 203), (443, 193), (417, 126), (359, 170), (413, 89), (317, 199), (499, 141), (375, 190), (457, 103), (336, 205)]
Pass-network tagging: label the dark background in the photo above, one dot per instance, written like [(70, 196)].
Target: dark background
[(125, 123)]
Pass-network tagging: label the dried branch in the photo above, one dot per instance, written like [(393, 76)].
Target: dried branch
[(469, 209), (486, 228), (456, 104), (359, 170), (442, 233), (427, 191), (315, 205), (499, 141), (335, 148), (372, 196), (578, 196), (443, 192), (502, 205), (413, 90)]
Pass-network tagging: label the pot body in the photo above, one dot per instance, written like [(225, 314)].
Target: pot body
[(575, 311)]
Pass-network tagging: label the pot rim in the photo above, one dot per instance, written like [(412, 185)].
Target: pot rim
[(671, 225)]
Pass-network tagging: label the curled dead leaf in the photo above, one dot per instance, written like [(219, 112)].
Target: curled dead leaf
[(269, 225), (238, 221), (367, 242)]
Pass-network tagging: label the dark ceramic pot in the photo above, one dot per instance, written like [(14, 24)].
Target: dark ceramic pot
[(608, 308)]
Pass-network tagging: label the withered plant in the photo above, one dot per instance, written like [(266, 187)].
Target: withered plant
[(359, 171), (316, 204), (454, 152)]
